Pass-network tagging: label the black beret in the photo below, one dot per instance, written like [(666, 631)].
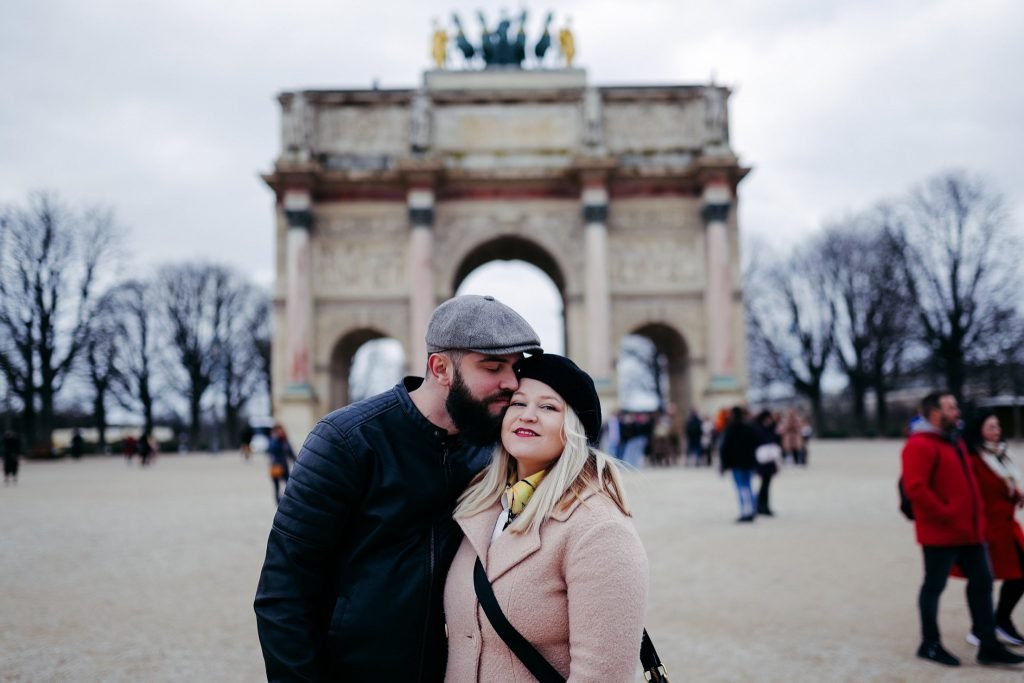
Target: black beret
[(570, 382)]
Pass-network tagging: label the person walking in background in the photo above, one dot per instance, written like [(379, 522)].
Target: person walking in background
[(1001, 486), (638, 437), (547, 525), (145, 448), (694, 435), (707, 440), (737, 453), (613, 434), (281, 454), (663, 447), (949, 521), (245, 441), (77, 444), (791, 431), (12, 454), (129, 448), (769, 455), (718, 431)]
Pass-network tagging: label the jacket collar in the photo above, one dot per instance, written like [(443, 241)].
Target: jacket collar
[(428, 428), (509, 549)]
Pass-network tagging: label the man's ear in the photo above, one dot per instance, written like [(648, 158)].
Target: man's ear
[(441, 369)]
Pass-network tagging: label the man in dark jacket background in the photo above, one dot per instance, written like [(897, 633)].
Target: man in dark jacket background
[(351, 589), (949, 520)]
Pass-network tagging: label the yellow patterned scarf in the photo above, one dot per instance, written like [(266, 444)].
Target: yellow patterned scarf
[(519, 492)]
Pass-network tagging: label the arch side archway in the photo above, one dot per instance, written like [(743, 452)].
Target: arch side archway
[(342, 357)]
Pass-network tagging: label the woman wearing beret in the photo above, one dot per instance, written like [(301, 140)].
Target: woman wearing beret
[(549, 522)]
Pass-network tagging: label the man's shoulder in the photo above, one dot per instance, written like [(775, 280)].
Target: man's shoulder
[(353, 416), (926, 441)]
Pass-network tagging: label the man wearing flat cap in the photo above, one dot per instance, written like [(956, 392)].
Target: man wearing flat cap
[(351, 588)]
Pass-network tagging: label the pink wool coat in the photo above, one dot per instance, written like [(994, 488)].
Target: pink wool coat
[(576, 588)]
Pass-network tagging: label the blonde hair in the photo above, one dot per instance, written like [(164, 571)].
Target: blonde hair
[(577, 469)]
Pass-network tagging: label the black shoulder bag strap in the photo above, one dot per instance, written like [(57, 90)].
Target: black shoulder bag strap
[(541, 669), (520, 646)]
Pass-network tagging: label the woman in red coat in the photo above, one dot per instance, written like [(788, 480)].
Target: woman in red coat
[(1001, 486)]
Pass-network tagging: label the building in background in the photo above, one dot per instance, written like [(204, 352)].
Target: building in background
[(625, 196)]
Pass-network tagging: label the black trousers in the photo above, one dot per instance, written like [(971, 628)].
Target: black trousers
[(974, 563), (766, 474)]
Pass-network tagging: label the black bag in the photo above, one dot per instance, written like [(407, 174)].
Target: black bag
[(533, 660), (906, 507)]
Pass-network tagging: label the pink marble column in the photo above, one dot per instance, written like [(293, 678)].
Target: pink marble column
[(721, 347), (421, 273), (598, 294), (298, 292)]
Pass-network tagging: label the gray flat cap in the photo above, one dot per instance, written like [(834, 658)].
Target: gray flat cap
[(482, 324)]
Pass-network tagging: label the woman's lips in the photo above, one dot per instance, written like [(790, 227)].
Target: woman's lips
[(525, 432)]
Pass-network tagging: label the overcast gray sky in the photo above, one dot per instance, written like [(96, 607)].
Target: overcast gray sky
[(166, 111)]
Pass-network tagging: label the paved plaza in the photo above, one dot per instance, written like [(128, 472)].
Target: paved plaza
[(114, 573)]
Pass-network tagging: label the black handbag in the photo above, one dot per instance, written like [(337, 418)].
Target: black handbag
[(541, 669)]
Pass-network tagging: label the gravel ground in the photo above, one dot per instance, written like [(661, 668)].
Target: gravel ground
[(113, 573)]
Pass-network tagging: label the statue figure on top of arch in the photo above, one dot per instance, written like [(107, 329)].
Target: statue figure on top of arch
[(297, 127), (716, 118), (498, 48)]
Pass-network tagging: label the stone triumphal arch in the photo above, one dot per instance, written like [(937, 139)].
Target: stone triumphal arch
[(624, 196)]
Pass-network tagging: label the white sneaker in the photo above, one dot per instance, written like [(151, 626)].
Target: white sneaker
[(1007, 638), (972, 639)]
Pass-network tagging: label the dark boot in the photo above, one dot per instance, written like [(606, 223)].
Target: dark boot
[(997, 654), (934, 652)]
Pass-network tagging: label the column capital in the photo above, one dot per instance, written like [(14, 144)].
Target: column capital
[(715, 213), (595, 203), (298, 209), (421, 206)]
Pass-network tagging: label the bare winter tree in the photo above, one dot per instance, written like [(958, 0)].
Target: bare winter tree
[(792, 324), (242, 367), (102, 359), (643, 371), (194, 300), (261, 334), (50, 259), (862, 261), (136, 310), (961, 263)]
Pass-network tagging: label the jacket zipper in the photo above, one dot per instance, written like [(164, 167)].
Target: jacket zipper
[(974, 498), (432, 564)]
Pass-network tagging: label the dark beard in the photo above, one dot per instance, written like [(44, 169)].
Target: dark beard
[(471, 417)]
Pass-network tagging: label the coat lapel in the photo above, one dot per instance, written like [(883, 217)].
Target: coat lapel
[(511, 549), (478, 530)]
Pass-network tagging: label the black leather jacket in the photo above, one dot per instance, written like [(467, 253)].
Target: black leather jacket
[(352, 585)]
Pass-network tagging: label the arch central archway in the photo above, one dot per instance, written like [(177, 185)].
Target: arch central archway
[(510, 248), (523, 275)]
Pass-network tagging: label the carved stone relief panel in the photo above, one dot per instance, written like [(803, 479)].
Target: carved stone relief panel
[(656, 243), (360, 268), (362, 220), (363, 130), (656, 216), (649, 127), (515, 127), (639, 264)]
